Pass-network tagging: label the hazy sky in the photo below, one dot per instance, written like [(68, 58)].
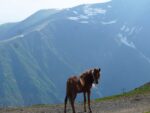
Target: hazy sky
[(16, 10)]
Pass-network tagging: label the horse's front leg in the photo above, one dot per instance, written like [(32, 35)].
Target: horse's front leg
[(84, 94), (89, 92)]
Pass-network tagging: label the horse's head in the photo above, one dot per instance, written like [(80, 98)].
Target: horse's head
[(96, 74)]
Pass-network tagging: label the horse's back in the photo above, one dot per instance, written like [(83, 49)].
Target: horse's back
[(72, 81), (74, 85)]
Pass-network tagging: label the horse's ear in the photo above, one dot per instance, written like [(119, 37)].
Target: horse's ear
[(99, 69)]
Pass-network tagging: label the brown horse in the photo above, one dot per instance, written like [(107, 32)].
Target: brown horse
[(81, 84)]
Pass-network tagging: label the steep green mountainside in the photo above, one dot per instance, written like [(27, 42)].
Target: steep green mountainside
[(27, 75), (38, 54)]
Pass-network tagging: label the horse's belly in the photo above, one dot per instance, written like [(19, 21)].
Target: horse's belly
[(79, 89)]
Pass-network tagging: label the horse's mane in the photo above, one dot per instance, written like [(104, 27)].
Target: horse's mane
[(86, 73)]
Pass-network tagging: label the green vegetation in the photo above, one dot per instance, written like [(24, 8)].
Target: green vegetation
[(141, 90), (25, 72)]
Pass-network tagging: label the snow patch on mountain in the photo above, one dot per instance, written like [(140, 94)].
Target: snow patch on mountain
[(88, 12), (131, 30), (123, 28), (93, 11), (75, 12), (109, 6), (84, 22), (73, 18), (145, 57), (83, 17), (79, 18), (13, 38), (123, 40), (108, 22)]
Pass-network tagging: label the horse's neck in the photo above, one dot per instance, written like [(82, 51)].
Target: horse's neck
[(84, 78)]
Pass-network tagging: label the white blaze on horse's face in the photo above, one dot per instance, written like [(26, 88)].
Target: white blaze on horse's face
[(93, 86)]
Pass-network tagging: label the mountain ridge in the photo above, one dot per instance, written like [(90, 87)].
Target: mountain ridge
[(35, 61)]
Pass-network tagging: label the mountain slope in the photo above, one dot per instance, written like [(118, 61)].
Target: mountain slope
[(38, 54), (27, 74)]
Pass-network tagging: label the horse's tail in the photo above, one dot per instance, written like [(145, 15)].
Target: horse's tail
[(66, 99), (69, 87), (67, 94)]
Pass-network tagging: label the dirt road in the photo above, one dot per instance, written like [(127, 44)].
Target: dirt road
[(136, 104)]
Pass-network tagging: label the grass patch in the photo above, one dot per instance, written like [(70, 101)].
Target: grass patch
[(147, 112), (141, 90)]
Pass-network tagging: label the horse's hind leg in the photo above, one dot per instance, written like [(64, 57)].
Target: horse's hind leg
[(66, 98), (72, 104), (72, 99)]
